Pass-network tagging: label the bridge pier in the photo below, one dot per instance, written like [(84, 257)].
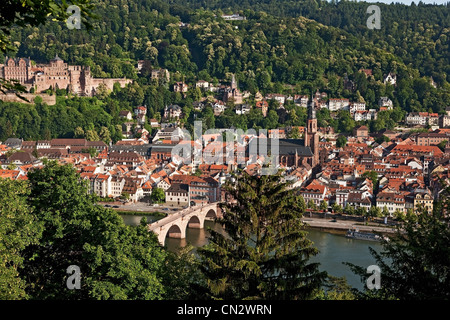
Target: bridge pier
[(195, 225), (175, 235)]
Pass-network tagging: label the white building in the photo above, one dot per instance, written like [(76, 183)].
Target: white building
[(357, 106), (338, 104), (417, 118), (391, 79), (202, 84), (392, 201), (243, 109), (385, 102)]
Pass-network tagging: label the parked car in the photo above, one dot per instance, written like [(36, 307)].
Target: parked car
[(115, 206), (107, 205)]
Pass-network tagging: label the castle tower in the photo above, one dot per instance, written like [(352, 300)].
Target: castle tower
[(311, 134)]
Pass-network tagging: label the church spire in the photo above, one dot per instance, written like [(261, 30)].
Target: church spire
[(312, 109)]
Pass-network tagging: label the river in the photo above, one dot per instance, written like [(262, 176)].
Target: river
[(333, 248)]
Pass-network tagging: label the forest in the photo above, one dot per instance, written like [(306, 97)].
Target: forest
[(281, 47)]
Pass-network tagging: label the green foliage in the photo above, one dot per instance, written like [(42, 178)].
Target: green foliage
[(182, 274), (335, 288), (18, 229), (385, 212), (312, 205), (91, 150), (382, 139), (341, 141), (75, 117), (323, 205), (337, 208), (374, 212), (116, 261), (442, 145), (361, 211), (265, 252), (158, 195), (125, 196), (349, 210)]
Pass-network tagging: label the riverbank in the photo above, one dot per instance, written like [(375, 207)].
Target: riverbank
[(341, 226), (140, 213)]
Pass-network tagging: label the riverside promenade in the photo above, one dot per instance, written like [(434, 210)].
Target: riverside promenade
[(341, 226)]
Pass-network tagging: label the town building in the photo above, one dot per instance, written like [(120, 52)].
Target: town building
[(422, 119), (180, 87), (263, 105), (160, 74), (314, 192), (385, 102), (172, 112), (202, 190), (390, 78), (338, 104), (177, 195), (393, 201), (361, 132), (233, 17), (431, 138)]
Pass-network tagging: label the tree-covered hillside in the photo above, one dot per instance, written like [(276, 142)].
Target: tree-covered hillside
[(418, 34), (308, 45)]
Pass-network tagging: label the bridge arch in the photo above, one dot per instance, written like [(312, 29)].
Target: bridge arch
[(195, 222), (176, 231), (211, 214)]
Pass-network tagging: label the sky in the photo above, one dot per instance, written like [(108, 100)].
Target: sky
[(408, 2)]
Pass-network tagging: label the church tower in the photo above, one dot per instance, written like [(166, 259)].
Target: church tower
[(311, 134)]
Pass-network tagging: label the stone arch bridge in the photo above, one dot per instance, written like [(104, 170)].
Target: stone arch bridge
[(174, 225)]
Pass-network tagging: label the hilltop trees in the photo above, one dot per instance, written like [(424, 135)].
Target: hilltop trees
[(265, 252), (265, 52)]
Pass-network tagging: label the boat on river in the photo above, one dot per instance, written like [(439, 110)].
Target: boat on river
[(356, 234)]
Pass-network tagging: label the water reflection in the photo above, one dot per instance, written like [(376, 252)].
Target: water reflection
[(333, 248)]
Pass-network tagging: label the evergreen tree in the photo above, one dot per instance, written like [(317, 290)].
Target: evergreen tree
[(265, 254)]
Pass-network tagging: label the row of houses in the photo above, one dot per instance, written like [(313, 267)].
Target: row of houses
[(430, 119)]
